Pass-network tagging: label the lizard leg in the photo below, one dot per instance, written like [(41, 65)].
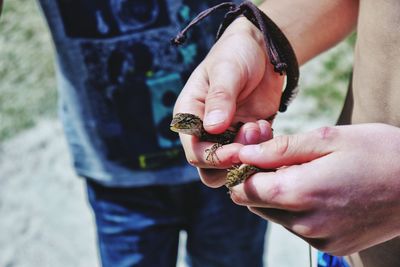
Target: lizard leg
[(211, 153)]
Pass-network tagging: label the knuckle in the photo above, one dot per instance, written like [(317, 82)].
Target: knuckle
[(285, 192), (284, 195), (275, 193), (327, 133), (282, 144), (218, 93)]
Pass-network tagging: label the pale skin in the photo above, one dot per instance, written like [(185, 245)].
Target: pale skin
[(336, 187)]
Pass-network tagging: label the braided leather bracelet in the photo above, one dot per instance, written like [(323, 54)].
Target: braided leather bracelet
[(279, 49)]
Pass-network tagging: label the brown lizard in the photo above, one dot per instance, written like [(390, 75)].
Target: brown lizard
[(187, 123)]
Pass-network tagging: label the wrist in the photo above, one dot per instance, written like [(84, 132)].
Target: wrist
[(242, 26)]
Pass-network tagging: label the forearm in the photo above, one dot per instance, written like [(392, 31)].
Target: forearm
[(313, 26)]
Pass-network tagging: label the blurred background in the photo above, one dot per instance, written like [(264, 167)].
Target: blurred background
[(44, 217)]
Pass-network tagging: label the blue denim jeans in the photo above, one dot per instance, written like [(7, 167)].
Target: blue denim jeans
[(327, 260), (140, 226)]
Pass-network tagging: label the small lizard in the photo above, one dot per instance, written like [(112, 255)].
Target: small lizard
[(187, 123)]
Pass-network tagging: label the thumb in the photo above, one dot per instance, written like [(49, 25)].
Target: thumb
[(289, 150), (225, 83), (235, 66)]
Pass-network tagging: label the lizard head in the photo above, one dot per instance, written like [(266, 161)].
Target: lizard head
[(187, 123)]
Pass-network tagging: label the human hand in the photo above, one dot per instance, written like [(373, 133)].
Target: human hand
[(234, 83), (338, 188)]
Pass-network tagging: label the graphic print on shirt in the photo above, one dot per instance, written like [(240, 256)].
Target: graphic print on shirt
[(133, 75), (111, 18)]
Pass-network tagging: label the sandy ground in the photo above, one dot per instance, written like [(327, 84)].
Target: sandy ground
[(44, 216)]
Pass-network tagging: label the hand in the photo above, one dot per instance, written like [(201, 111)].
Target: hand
[(234, 83), (338, 188)]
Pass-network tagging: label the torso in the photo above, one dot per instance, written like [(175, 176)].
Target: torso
[(375, 94), (376, 80)]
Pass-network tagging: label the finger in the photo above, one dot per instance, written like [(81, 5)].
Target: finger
[(191, 98), (209, 155), (249, 133), (266, 130), (212, 177), (281, 189), (254, 132), (235, 66), (291, 149), (225, 81)]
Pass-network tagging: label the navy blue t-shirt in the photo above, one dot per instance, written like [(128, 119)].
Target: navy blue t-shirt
[(118, 79)]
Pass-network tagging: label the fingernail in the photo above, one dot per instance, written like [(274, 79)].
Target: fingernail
[(215, 117), (265, 130), (250, 150)]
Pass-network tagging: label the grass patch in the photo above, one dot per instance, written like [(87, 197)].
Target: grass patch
[(27, 81), (331, 80)]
